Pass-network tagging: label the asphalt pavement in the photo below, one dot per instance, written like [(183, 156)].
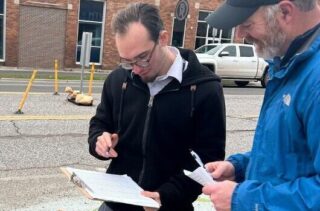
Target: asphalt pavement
[(52, 133)]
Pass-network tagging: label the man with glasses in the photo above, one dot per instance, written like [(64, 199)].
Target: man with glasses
[(282, 171), (159, 104), (143, 62)]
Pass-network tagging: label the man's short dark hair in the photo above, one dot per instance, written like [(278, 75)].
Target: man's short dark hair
[(146, 14)]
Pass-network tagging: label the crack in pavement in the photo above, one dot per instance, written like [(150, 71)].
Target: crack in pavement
[(16, 128)]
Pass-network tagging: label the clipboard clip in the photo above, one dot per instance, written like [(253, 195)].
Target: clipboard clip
[(78, 182)]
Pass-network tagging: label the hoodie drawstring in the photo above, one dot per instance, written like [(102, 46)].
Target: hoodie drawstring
[(193, 89), (123, 89)]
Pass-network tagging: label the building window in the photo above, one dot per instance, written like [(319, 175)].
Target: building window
[(207, 34), (2, 30), (178, 30), (91, 20)]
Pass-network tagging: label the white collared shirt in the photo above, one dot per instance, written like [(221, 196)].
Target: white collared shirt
[(175, 71)]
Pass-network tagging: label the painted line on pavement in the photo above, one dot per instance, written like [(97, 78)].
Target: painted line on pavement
[(243, 116), (19, 178), (39, 93), (44, 117), (21, 93)]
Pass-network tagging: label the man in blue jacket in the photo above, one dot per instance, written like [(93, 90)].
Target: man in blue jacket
[(282, 171)]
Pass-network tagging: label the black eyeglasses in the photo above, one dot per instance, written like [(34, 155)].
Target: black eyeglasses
[(128, 65)]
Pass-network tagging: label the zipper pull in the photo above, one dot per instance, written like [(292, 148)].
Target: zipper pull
[(150, 101)]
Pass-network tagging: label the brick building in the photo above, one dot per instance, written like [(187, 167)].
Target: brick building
[(35, 32)]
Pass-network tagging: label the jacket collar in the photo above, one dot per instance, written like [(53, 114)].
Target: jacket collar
[(301, 48)]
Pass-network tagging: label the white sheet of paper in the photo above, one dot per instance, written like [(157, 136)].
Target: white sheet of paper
[(115, 188), (201, 176)]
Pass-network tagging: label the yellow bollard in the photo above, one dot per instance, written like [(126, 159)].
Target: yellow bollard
[(91, 79), (26, 92), (56, 77)]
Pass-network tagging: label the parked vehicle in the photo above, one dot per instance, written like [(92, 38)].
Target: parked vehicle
[(205, 48), (236, 62)]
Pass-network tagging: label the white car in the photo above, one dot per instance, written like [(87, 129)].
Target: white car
[(236, 62)]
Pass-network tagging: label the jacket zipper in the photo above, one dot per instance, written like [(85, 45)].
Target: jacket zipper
[(144, 139), (145, 132)]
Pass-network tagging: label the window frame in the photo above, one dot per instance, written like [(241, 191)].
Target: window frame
[(4, 31), (184, 31), (209, 39), (102, 32)]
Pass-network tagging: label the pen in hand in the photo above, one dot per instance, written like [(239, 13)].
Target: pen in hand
[(197, 158), (105, 145), (202, 173), (110, 152)]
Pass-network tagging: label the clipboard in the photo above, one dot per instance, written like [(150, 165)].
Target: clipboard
[(108, 187), (71, 178)]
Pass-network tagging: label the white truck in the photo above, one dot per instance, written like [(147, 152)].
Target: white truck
[(236, 62)]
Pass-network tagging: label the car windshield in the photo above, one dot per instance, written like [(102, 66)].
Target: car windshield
[(204, 48), (214, 50)]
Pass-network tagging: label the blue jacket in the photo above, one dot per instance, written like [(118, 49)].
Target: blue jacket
[(282, 171)]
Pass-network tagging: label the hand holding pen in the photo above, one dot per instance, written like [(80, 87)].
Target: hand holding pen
[(200, 174), (219, 170), (105, 145)]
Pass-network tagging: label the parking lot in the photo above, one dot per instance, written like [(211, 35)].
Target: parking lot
[(53, 133)]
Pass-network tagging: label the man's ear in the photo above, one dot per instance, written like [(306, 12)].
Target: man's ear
[(287, 10), (163, 38)]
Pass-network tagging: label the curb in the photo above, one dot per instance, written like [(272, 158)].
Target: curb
[(50, 73)]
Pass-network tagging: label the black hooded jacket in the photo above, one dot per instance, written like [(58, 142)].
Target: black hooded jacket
[(157, 133)]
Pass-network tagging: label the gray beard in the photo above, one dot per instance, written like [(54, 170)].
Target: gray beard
[(274, 43)]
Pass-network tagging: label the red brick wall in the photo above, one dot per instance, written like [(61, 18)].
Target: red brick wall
[(71, 34), (167, 9), (12, 27), (110, 57), (41, 36), (109, 54)]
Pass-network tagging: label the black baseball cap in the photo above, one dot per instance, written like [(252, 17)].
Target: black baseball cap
[(234, 12)]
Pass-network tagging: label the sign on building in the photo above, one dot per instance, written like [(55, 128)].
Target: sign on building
[(182, 10)]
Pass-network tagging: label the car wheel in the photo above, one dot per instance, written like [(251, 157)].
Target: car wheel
[(241, 83), (265, 79)]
